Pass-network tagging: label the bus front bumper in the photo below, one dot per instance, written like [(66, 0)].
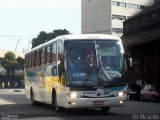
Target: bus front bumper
[(95, 102)]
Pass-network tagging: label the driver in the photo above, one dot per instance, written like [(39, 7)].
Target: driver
[(75, 60)]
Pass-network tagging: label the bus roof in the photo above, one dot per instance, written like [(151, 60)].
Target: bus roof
[(78, 37), (87, 36)]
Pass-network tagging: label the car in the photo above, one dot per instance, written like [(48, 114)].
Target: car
[(150, 92), (133, 92)]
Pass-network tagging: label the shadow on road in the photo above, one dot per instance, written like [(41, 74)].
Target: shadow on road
[(27, 111), (20, 106)]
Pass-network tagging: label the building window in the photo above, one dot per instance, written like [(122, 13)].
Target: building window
[(128, 5), (121, 4), (117, 30), (142, 7), (119, 17), (133, 6), (114, 3)]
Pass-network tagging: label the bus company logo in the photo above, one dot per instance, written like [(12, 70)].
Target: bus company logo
[(39, 77), (107, 91), (98, 94)]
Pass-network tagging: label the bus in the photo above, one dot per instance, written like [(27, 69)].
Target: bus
[(77, 71)]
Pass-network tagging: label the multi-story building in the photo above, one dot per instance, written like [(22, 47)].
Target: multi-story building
[(107, 16)]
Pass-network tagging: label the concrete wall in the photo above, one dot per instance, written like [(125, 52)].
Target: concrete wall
[(96, 16)]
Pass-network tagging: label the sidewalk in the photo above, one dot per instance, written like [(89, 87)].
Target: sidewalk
[(15, 90)]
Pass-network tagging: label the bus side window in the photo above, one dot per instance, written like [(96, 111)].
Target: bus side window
[(60, 50), (29, 60), (60, 58), (32, 59), (39, 56), (43, 56), (26, 61), (48, 54), (35, 59), (54, 71), (30, 65), (54, 52)]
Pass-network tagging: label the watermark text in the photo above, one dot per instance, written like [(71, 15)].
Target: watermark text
[(9, 117), (146, 117)]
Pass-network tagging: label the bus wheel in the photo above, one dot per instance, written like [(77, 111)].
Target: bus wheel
[(34, 103), (54, 103), (105, 109)]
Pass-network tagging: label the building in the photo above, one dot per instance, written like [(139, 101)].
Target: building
[(107, 16), (141, 38)]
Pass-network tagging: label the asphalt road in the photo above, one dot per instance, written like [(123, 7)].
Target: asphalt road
[(14, 105)]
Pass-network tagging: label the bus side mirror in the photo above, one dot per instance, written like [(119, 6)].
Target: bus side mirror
[(128, 59), (60, 68)]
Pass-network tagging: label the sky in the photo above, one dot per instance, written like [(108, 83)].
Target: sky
[(22, 20)]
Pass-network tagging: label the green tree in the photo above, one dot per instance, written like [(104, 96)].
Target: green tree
[(40, 39), (44, 37), (9, 62), (20, 63)]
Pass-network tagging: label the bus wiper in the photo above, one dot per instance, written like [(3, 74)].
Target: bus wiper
[(99, 65), (99, 62), (105, 72)]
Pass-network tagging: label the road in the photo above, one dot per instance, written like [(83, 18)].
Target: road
[(13, 104)]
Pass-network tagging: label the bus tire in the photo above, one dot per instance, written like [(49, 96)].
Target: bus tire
[(54, 102), (105, 109), (34, 103)]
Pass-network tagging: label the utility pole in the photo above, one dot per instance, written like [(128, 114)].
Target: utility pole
[(27, 49), (17, 44), (28, 44)]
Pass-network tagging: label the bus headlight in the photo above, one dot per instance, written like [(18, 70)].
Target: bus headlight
[(120, 94), (73, 95)]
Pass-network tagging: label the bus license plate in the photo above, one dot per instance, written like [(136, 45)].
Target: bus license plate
[(98, 102)]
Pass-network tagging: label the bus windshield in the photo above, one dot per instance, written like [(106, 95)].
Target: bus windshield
[(98, 62)]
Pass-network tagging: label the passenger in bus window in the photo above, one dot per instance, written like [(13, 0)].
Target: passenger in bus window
[(75, 60), (90, 61)]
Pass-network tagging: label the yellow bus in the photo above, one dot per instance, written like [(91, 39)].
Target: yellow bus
[(77, 71)]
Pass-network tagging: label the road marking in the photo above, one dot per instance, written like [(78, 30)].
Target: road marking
[(4, 102)]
